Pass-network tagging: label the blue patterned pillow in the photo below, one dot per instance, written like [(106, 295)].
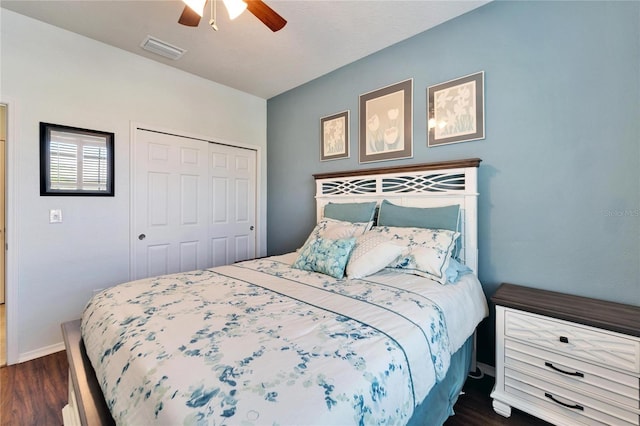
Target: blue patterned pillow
[(455, 270), (332, 229), (426, 252), (326, 256)]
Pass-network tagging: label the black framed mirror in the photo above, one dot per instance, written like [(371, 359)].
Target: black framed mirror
[(75, 161)]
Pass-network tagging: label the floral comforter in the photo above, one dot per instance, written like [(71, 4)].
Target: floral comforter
[(260, 343)]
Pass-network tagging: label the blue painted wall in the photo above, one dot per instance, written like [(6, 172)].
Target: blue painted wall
[(559, 183)]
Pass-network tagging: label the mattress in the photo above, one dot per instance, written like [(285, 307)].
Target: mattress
[(261, 343)]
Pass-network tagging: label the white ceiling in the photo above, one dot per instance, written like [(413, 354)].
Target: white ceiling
[(320, 36)]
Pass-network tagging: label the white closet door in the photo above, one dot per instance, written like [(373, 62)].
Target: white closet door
[(171, 174), (177, 205), (233, 204)]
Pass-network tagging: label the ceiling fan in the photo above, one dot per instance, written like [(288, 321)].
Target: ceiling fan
[(194, 10)]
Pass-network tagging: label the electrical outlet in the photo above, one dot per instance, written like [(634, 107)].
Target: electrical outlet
[(55, 216)]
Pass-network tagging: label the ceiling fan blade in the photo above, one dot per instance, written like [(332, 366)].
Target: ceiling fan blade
[(267, 15), (189, 17)]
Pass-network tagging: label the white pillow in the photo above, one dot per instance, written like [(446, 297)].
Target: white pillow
[(426, 252), (372, 253), (332, 229)]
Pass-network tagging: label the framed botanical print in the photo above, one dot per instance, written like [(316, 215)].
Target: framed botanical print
[(334, 136), (456, 110), (386, 129)]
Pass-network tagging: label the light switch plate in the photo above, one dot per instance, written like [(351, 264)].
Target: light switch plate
[(55, 216)]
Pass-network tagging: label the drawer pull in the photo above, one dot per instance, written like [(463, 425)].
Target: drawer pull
[(564, 339), (574, 407), (568, 373)]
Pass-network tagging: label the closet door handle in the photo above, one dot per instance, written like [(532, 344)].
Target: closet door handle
[(573, 407), (142, 237), (568, 373)]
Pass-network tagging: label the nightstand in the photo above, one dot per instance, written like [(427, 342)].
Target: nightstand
[(566, 359)]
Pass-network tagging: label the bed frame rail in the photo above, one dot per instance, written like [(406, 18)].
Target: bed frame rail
[(86, 406)]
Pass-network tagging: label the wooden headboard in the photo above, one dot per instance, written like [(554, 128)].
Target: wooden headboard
[(418, 185)]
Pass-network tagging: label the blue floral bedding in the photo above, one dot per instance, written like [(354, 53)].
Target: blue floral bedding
[(261, 343)]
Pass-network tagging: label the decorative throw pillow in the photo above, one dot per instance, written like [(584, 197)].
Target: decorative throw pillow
[(325, 256), (426, 252), (372, 253), (333, 229)]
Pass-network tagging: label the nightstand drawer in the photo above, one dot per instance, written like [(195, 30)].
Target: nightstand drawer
[(586, 343), (575, 407), (607, 385)]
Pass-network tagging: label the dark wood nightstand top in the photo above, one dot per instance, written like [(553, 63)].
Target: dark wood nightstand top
[(610, 316)]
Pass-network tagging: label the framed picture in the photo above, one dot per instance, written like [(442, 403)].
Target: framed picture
[(75, 161), (334, 136), (386, 129), (456, 110)]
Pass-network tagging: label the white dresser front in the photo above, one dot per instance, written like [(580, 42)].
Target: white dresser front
[(565, 373)]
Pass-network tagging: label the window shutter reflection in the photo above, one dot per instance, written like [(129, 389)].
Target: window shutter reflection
[(71, 171)]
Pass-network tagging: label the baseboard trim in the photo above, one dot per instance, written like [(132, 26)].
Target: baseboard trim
[(38, 353)]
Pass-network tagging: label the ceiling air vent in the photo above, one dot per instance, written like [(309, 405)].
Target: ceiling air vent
[(159, 47)]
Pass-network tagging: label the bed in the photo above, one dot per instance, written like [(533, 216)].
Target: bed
[(371, 321)]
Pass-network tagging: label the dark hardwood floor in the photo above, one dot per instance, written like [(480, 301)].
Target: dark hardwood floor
[(474, 408), (34, 392)]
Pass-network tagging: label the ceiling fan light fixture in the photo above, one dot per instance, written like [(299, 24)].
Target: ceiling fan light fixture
[(196, 5), (234, 7)]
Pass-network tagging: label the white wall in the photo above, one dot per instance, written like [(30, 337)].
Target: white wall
[(52, 75)]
